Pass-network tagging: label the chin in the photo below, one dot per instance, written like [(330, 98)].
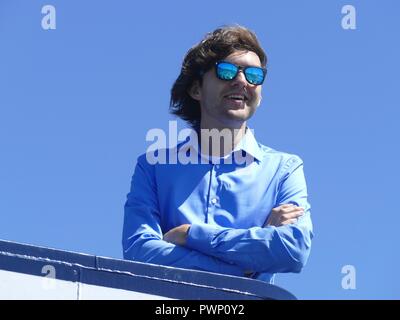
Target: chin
[(239, 114)]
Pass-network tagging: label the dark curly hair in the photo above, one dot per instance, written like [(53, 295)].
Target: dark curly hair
[(216, 46)]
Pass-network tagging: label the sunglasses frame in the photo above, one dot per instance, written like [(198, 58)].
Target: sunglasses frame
[(240, 68)]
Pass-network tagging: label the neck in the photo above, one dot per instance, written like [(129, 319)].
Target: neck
[(218, 140)]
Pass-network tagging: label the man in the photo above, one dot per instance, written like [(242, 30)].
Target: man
[(245, 218)]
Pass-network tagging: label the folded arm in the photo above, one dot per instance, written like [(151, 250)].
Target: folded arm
[(283, 248)]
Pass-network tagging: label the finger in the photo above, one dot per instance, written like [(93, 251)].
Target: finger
[(167, 237), (295, 208), (290, 216), (293, 214), (290, 221), (286, 205), (292, 209)]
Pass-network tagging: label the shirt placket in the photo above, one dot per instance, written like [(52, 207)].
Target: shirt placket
[(213, 194)]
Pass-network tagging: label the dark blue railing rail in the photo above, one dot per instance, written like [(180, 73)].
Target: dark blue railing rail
[(138, 277)]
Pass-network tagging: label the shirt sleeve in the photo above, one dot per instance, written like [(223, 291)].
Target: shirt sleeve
[(264, 249), (142, 238)]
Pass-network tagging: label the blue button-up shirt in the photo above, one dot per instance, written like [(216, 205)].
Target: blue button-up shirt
[(227, 205)]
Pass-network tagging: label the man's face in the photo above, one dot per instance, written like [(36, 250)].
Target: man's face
[(221, 105)]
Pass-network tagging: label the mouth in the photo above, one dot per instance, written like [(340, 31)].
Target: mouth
[(236, 97), (235, 100)]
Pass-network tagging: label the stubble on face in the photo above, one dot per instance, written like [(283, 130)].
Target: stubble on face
[(218, 109)]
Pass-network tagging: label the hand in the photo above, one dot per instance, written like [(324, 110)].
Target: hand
[(177, 235), (284, 214)]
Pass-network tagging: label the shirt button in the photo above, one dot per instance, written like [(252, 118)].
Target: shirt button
[(214, 200)]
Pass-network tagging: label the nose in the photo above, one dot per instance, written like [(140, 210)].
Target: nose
[(240, 79)]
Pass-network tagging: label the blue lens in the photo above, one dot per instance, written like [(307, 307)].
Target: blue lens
[(226, 71), (229, 71), (254, 75)]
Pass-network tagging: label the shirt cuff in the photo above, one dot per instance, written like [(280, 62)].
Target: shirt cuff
[(201, 236)]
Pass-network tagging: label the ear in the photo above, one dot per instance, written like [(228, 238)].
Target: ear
[(195, 91)]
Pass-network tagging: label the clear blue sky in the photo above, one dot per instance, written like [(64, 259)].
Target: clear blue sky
[(76, 104)]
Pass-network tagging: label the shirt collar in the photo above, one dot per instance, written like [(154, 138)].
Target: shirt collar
[(248, 144)]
